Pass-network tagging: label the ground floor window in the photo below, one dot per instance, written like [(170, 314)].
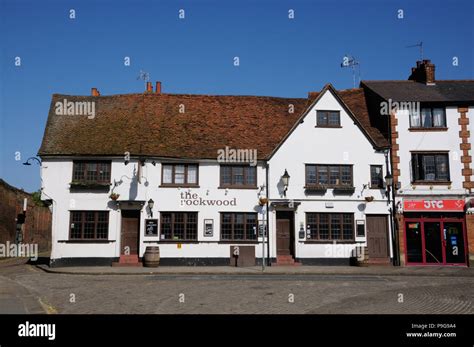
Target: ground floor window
[(89, 225), (238, 226), (330, 226), (179, 226), (435, 239)]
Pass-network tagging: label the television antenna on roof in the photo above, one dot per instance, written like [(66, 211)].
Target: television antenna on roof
[(351, 62), (419, 44), (144, 76)]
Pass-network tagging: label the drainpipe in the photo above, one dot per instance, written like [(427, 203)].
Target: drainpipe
[(393, 224), (268, 213)]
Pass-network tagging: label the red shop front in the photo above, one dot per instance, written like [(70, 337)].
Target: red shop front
[(435, 232)]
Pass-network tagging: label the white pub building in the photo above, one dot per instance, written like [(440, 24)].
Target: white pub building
[(205, 178)]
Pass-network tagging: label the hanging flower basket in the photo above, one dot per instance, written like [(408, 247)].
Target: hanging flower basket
[(262, 201), (114, 196), (369, 198)]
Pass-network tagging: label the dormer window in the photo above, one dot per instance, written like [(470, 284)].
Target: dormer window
[(428, 118), (328, 119)]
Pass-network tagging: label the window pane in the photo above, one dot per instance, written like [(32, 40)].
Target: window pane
[(238, 226), (179, 174), (415, 120), (333, 119), (251, 226), (442, 168), (167, 174), (104, 171), (334, 175), (191, 226), (226, 226), (346, 178), (310, 174), (192, 174), (429, 167), (347, 227), (166, 225), (335, 226), (376, 176), (78, 173), (251, 178), (322, 175), (323, 226), (238, 173), (439, 119), (322, 118), (226, 173), (426, 117), (91, 171)]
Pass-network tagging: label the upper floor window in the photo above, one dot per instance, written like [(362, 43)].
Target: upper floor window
[(238, 176), (329, 119), (331, 176), (89, 225), (428, 118), (179, 174), (376, 177), (430, 167), (91, 171)]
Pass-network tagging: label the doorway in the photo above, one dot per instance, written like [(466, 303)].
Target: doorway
[(285, 233), (377, 237), (435, 241), (130, 232)]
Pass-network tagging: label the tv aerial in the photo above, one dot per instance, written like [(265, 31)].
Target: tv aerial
[(419, 44), (144, 76), (350, 62)]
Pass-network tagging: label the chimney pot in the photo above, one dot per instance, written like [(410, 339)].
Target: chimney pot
[(149, 87), (158, 87), (95, 92)]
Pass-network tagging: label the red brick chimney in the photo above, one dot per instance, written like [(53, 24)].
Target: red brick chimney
[(424, 72), (95, 92), (149, 87), (158, 88)]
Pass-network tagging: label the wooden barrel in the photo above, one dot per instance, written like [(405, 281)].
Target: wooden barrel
[(151, 257)]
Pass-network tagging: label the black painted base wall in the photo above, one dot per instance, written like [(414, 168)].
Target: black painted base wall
[(64, 262)]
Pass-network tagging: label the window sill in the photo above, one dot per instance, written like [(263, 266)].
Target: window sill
[(175, 241), (86, 241), (331, 242), (90, 185), (178, 186), (227, 242), (431, 183), (237, 187), (328, 126), (428, 129)]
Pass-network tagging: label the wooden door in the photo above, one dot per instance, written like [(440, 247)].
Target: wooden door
[(283, 237), (130, 230), (377, 237)]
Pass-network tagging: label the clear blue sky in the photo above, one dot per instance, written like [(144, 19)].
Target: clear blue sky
[(278, 56)]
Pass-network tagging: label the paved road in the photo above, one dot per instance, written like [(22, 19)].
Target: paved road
[(23, 287)]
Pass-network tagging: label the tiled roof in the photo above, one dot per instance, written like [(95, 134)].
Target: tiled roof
[(152, 124), (458, 91)]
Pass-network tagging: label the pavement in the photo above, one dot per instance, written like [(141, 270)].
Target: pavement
[(272, 270)]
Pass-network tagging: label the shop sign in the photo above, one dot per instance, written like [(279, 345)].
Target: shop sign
[(433, 205)]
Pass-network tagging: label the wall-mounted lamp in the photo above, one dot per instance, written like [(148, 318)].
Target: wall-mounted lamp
[(286, 181), (27, 162), (151, 203), (388, 183)]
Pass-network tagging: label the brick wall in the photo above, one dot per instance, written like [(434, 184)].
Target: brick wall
[(401, 237), (37, 227)]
